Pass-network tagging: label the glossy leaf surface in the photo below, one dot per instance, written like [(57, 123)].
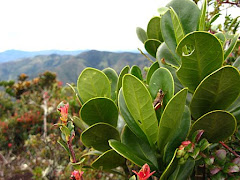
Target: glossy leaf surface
[(108, 160), (139, 103), (162, 79), (151, 70), (141, 148), (170, 121), (153, 29), (205, 56), (99, 110), (97, 136), (126, 152), (132, 124), (93, 83), (217, 125), (151, 46), (113, 78), (136, 71), (217, 91)]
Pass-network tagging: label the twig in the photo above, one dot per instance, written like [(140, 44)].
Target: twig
[(145, 55), (229, 149)]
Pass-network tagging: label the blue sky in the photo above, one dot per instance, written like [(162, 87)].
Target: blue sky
[(34, 25)]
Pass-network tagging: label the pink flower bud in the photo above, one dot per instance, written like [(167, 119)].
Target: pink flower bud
[(144, 173)]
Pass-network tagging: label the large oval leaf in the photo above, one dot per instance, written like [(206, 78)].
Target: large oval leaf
[(179, 136), (136, 71), (108, 160), (97, 136), (129, 119), (162, 79), (113, 78), (151, 46), (93, 83), (205, 56), (217, 91), (141, 148), (99, 110), (217, 125), (151, 70), (171, 118), (139, 103), (126, 152), (154, 30)]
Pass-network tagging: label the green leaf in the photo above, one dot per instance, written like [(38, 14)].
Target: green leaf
[(188, 14), (163, 52), (162, 10), (97, 136), (136, 71), (170, 167), (201, 24), (218, 125), (221, 37), (64, 145), (186, 169), (142, 35), (152, 69), (170, 121), (99, 110), (108, 160), (129, 119), (217, 91), (231, 46), (235, 109), (126, 152), (153, 29), (141, 148), (124, 71), (79, 123), (162, 79), (214, 18), (179, 135), (205, 56), (151, 46), (237, 63), (113, 78), (177, 26), (139, 103), (93, 83), (133, 177)]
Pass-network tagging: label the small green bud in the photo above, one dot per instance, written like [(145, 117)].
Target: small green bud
[(180, 153)]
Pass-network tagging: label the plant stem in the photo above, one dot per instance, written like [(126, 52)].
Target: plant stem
[(145, 55), (229, 149), (71, 149)]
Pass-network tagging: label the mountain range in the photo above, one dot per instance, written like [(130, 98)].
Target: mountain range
[(11, 55), (68, 67)]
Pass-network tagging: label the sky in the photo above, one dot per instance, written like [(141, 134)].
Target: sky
[(33, 25)]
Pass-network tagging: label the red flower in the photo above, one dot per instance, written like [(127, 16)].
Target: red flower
[(64, 112), (144, 173), (9, 145), (76, 175)]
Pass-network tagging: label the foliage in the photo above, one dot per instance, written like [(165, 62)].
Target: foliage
[(176, 118)]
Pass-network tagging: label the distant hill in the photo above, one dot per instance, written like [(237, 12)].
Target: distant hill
[(69, 67), (11, 55)]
